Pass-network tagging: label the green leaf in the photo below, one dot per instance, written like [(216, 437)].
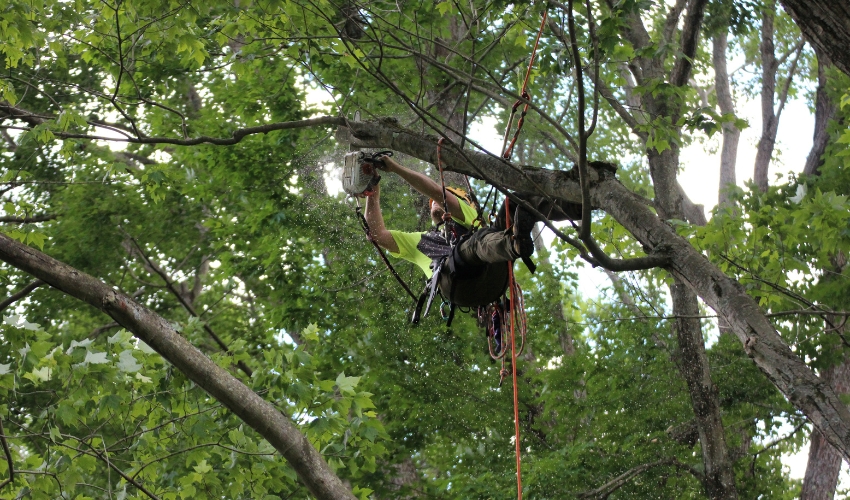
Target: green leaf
[(346, 384), (203, 467)]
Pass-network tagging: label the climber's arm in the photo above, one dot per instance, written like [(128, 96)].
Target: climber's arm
[(423, 184), (375, 220)]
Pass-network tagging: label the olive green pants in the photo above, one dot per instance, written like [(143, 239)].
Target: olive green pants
[(488, 246)]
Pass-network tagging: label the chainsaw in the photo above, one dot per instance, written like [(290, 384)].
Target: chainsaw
[(360, 172)]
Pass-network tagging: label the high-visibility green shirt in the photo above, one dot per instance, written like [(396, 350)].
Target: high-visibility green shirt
[(417, 247)]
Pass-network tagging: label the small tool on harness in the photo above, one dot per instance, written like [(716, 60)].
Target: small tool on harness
[(360, 172)]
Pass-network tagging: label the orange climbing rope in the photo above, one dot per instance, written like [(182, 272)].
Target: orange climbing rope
[(516, 294), (514, 288), (508, 149)]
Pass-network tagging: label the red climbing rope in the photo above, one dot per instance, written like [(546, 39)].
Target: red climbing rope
[(508, 149)]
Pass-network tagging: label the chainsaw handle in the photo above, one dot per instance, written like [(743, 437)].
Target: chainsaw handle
[(378, 159)]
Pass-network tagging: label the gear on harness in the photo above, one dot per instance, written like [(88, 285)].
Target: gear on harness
[(360, 172)]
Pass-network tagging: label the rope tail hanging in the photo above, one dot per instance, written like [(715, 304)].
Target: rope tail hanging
[(514, 289)]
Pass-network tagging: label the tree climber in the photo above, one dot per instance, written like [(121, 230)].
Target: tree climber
[(471, 254)]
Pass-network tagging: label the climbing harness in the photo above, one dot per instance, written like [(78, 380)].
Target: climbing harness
[(459, 284), (360, 172)]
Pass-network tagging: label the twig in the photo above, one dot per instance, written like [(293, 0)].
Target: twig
[(23, 292), (618, 482), (8, 454)]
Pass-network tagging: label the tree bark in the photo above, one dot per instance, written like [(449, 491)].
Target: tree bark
[(731, 134), (770, 115), (726, 296), (155, 331), (825, 462), (769, 125), (826, 24), (825, 111), (719, 478)]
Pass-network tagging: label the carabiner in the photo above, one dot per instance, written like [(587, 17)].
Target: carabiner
[(443, 313)]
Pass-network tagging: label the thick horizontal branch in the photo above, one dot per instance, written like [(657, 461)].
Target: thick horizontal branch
[(155, 331)]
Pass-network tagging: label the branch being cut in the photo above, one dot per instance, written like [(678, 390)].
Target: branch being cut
[(155, 331)]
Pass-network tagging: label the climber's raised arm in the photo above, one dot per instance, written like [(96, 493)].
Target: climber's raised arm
[(375, 220)]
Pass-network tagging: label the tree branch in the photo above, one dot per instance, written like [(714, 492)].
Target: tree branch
[(689, 42), (23, 292), (8, 453), (618, 482), (235, 137), (10, 219), (186, 305)]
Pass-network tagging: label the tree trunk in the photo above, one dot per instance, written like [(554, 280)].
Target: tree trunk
[(826, 24), (825, 111), (825, 462), (731, 134), (155, 331), (769, 125), (719, 479)]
